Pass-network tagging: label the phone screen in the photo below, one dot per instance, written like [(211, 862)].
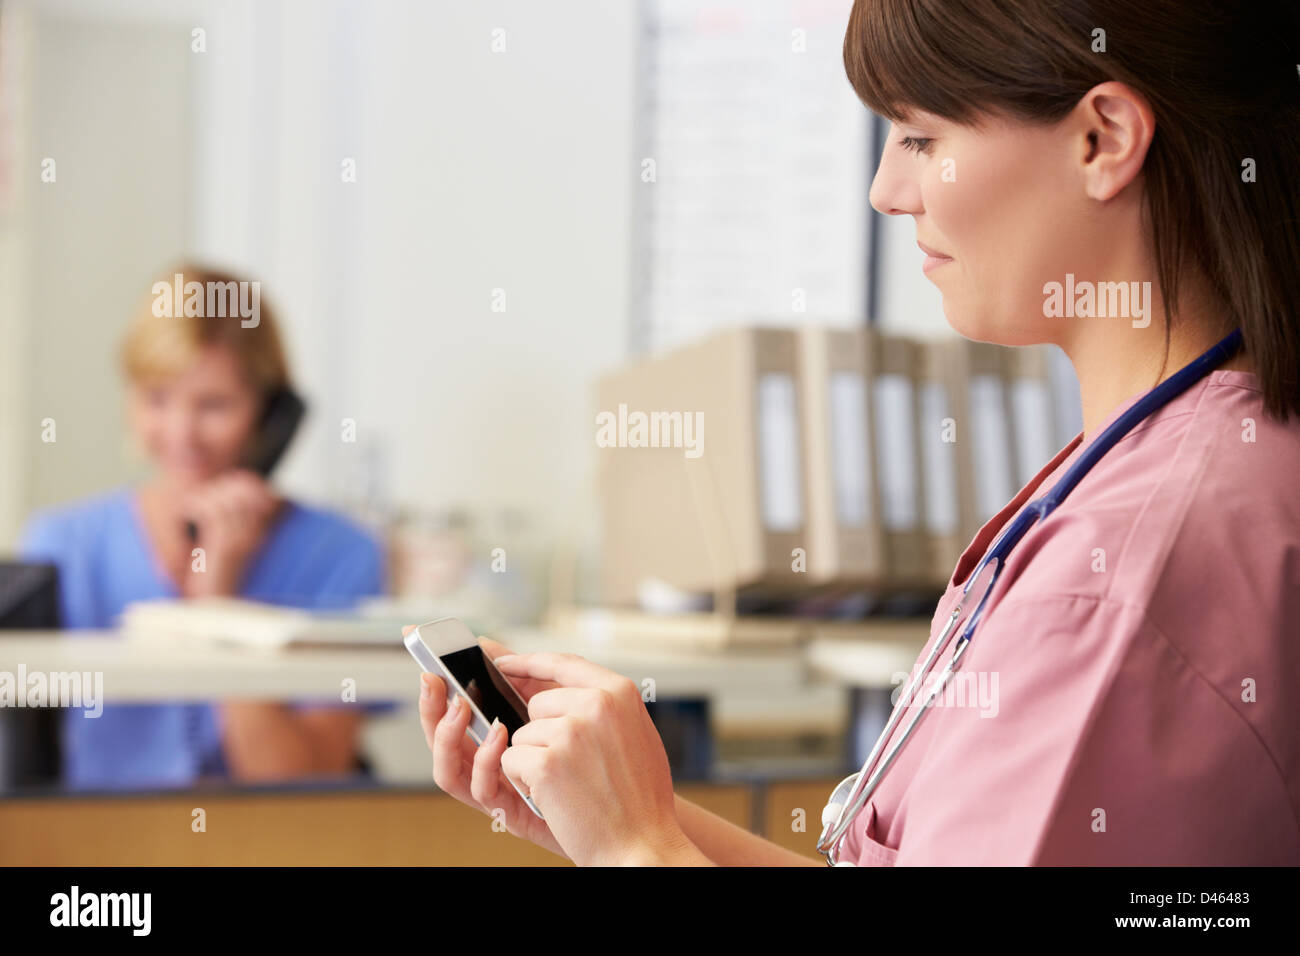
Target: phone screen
[(487, 687)]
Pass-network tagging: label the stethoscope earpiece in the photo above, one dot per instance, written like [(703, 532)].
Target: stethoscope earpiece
[(830, 813)]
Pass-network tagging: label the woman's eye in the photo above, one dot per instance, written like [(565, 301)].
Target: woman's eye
[(920, 144)]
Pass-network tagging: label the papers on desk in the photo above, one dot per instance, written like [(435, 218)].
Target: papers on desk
[(254, 625)]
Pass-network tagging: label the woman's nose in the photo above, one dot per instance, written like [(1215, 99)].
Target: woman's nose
[(182, 427), (895, 190)]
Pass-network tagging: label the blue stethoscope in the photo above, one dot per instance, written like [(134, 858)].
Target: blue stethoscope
[(848, 799)]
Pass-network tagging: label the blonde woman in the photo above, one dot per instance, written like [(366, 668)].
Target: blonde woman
[(197, 389)]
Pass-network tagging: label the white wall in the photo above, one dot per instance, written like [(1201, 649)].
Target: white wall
[(15, 188), (476, 171), (84, 243)]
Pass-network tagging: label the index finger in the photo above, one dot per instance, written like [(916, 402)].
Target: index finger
[(526, 686), (567, 670), (493, 649)]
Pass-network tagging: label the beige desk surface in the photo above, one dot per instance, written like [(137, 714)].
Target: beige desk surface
[(152, 670), (143, 671)]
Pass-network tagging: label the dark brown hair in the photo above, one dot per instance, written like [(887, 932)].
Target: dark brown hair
[(1221, 78)]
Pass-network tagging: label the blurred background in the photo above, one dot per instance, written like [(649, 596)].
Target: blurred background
[(467, 216)]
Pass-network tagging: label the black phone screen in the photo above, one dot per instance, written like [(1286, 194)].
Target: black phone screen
[(487, 687)]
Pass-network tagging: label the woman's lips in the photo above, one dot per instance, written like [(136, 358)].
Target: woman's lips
[(933, 259)]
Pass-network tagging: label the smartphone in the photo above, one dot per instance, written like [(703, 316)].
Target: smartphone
[(447, 647)]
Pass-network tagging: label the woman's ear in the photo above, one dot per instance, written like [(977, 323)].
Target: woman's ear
[(1115, 125)]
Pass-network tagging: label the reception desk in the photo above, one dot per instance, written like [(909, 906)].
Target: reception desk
[(754, 697), (381, 827)]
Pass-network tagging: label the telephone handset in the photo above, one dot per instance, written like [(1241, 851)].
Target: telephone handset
[(281, 416), (280, 419)]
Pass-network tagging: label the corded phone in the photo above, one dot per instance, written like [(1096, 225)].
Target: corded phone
[(280, 419), (283, 412)]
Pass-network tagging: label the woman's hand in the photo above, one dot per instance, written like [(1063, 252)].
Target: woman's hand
[(473, 774), (233, 512), (594, 764)]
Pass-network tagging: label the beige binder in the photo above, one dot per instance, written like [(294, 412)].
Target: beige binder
[(896, 362), (724, 516), (1033, 409), (846, 543), (1064, 384), (985, 426), (947, 480)]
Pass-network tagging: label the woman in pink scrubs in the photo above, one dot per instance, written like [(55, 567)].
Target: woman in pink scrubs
[(1145, 637)]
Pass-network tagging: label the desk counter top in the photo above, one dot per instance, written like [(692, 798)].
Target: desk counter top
[(152, 670)]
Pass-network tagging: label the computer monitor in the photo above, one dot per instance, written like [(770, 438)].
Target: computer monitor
[(29, 738), (29, 595)]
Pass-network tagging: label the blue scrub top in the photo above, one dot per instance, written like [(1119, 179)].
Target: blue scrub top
[(310, 558)]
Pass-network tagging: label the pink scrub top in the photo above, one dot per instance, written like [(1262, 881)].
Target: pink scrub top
[(1130, 692)]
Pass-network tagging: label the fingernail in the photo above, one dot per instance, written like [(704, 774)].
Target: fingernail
[(504, 659), (424, 687), (455, 706), (492, 731)]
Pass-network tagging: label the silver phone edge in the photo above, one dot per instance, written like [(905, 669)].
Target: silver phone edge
[(413, 639)]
